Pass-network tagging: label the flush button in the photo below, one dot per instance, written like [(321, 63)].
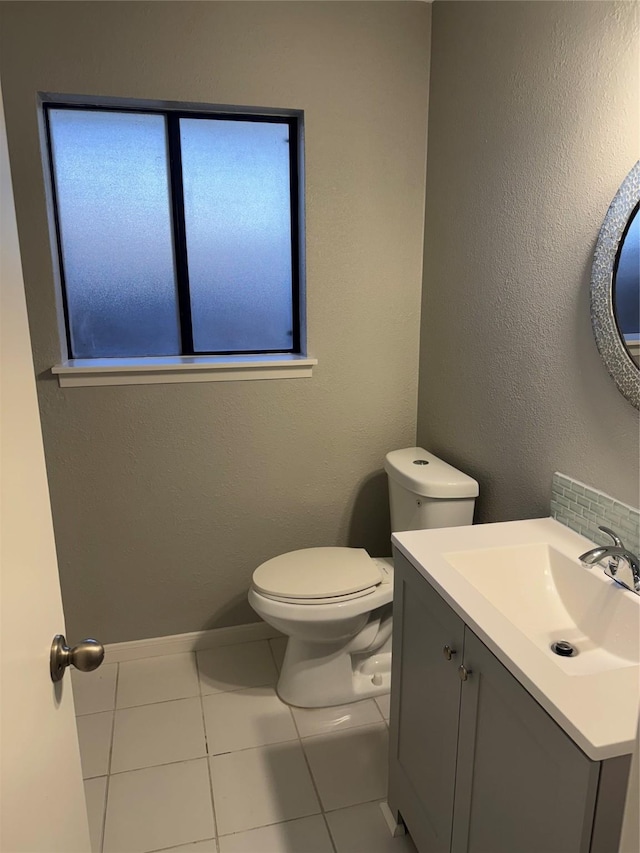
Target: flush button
[(420, 461)]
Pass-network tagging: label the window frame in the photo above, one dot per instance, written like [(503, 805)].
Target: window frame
[(172, 114)]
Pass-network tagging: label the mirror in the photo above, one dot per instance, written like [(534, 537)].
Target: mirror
[(626, 287), (615, 288)]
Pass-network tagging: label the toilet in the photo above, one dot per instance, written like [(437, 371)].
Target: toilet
[(334, 604)]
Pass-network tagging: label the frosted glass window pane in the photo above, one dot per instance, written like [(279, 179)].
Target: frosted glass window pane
[(117, 247), (238, 227)]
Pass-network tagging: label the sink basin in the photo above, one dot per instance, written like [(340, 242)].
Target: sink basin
[(519, 586), (549, 597)]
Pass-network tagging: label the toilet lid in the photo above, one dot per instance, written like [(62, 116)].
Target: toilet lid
[(317, 573)]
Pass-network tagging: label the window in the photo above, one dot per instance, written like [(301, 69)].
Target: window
[(177, 231)]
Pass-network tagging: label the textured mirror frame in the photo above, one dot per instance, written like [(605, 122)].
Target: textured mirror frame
[(614, 353)]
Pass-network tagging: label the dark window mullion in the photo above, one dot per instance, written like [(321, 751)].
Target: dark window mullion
[(295, 232), (179, 233)]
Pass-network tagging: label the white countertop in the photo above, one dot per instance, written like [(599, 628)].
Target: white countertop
[(599, 710)]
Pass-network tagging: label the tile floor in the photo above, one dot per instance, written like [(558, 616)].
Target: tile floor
[(196, 753)]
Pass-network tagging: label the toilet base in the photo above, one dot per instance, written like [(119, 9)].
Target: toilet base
[(320, 675)]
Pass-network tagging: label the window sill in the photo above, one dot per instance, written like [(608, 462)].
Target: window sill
[(150, 371)]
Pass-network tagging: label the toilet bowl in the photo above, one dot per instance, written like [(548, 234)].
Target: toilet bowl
[(334, 604)]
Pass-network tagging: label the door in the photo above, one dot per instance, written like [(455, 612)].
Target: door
[(428, 642), (522, 784), (42, 804)]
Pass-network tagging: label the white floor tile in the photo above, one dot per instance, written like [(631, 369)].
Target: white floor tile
[(278, 648), (349, 767), (246, 718), (235, 667), (384, 703), (94, 735), (95, 795), (157, 734), (318, 721), (363, 827), (95, 691), (256, 787), (306, 835), (264, 794), (142, 682), (158, 807)]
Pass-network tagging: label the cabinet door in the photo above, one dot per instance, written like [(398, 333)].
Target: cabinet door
[(425, 699), (522, 784)]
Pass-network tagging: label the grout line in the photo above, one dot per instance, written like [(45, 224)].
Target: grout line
[(197, 841), (208, 757), (375, 801), (329, 833), (180, 698), (265, 825), (94, 713), (355, 805), (325, 811), (106, 790), (104, 816), (273, 656), (163, 764), (158, 702), (264, 745), (313, 782), (244, 688), (157, 766), (205, 755)]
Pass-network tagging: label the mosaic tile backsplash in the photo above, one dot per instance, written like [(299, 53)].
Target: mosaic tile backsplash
[(582, 509)]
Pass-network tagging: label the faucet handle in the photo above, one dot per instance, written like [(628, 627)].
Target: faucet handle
[(616, 539), (614, 562)]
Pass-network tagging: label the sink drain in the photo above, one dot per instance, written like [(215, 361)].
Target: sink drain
[(564, 649)]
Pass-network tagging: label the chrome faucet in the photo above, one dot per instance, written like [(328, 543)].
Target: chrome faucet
[(619, 557)]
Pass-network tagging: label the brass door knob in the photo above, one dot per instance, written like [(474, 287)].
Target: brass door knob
[(448, 652), (85, 656)]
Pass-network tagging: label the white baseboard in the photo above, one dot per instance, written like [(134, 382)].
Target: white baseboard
[(396, 829), (195, 641)]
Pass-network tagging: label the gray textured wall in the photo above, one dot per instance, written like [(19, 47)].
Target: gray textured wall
[(165, 498), (533, 124)]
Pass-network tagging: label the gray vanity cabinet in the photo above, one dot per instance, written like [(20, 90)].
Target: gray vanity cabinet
[(522, 784), (477, 765), (424, 732)]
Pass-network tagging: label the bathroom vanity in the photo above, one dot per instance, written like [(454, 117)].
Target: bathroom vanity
[(498, 745)]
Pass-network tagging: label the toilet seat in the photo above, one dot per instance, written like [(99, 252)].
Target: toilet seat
[(318, 576), (334, 599)]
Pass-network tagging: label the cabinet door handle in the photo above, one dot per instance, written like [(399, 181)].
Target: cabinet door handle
[(463, 672), (448, 652)]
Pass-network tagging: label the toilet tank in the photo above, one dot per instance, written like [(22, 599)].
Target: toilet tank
[(426, 492)]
